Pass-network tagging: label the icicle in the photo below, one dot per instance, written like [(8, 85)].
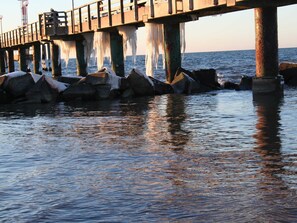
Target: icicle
[(182, 39), (88, 45), (66, 48), (101, 45), (129, 35), (154, 40)]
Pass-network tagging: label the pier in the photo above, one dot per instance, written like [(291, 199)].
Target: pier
[(108, 16)]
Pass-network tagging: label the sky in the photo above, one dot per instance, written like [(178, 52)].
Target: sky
[(232, 31)]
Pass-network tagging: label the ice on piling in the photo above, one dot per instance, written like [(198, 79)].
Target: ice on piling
[(101, 45), (129, 36), (154, 42)]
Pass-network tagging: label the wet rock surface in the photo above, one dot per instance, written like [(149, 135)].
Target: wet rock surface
[(289, 71)]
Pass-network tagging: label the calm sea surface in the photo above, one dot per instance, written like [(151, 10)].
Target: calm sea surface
[(213, 157)]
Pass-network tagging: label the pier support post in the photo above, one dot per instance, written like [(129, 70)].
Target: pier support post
[(117, 53), (36, 58), (80, 58), (23, 58), (55, 58), (11, 67), (2, 61), (172, 50), (267, 80)]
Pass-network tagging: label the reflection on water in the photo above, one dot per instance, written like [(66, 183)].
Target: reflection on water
[(213, 157)]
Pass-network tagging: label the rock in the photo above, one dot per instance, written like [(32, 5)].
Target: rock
[(230, 86), (2, 80), (161, 87), (42, 92), (140, 83), (18, 86), (99, 78), (69, 80), (105, 92), (128, 93), (206, 77), (246, 83), (183, 84), (289, 72), (124, 84), (79, 91), (4, 97)]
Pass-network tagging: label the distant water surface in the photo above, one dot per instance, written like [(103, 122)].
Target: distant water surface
[(213, 157)]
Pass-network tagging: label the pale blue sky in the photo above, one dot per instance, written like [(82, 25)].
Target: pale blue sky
[(231, 31)]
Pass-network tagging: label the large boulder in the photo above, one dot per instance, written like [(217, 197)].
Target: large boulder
[(4, 97), (289, 72), (184, 84), (161, 87), (207, 78), (42, 92), (230, 85), (140, 83), (19, 85), (69, 80), (2, 80), (82, 91), (246, 83)]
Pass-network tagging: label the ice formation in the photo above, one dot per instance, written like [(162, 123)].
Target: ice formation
[(101, 46), (66, 48), (182, 39), (88, 44), (154, 41), (129, 36)]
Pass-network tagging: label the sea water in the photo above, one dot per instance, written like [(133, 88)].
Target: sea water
[(214, 157)]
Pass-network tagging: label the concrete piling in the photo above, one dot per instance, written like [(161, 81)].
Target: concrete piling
[(117, 53), (55, 58), (80, 58), (36, 58), (172, 50), (267, 79), (23, 58), (11, 67)]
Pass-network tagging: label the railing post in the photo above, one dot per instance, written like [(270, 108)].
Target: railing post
[(109, 13), (135, 10), (80, 20), (98, 14), (122, 11), (169, 6), (152, 7), (89, 17), (191, 4)]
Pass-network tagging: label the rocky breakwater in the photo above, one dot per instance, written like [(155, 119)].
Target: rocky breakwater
[(21, 87)]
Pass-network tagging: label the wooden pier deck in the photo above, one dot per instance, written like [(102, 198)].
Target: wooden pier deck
[(105, 15)]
